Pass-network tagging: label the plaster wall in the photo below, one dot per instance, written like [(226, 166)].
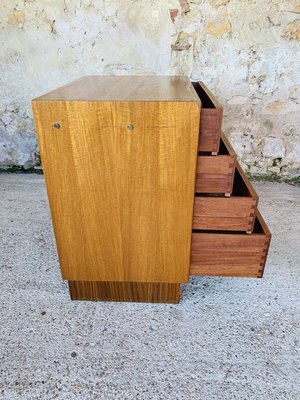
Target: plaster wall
[(247, 52)]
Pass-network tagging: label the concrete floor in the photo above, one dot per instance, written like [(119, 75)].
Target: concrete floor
[(227, 339)]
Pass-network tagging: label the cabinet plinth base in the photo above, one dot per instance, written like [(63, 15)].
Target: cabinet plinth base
[(125, 291)]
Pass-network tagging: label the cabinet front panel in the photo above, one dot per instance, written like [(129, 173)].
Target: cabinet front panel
[(120, 178)]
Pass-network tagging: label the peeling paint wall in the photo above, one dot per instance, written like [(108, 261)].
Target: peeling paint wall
[(247, 52)]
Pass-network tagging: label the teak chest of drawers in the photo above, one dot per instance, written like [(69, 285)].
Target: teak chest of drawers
[(132, 168)]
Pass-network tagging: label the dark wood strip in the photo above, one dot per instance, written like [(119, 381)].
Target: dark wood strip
[(125, 291)]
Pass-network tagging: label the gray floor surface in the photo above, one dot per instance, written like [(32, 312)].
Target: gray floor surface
[(229, 338)]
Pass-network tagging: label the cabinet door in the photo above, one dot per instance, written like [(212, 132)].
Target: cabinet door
[(120, 179)]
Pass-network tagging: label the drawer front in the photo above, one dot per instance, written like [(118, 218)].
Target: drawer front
[(211, 119), (208, 183), (234, 213), (215, 165), (224, 254), (229, 213), (210, 130), (215, 174)]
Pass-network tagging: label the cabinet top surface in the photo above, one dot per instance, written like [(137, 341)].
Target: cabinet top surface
[(125, 88)]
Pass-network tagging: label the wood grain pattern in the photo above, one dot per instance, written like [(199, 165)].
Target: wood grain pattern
[(231, 254), (215, 174), (121, 200), (235, 213), (211, 119), (125, 291), (125, 88)]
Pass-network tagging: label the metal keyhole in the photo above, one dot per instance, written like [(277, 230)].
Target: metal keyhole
[(56, 125), (130, 127)]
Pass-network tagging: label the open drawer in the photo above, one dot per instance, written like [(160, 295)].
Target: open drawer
[(234, 213), (210, 119), (215, 174), (231, 254)]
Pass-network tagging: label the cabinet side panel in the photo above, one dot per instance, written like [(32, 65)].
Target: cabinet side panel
[(121, 199), (58, 168), (157, 165), (80, 166)]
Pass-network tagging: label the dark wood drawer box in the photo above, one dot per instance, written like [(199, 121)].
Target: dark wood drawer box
[(231, 254), (235, 213), (210, 120), (215, 174)]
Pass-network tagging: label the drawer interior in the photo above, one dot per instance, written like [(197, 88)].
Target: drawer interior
[(207, 99), (260, 227), (225, 149), (242, 186)]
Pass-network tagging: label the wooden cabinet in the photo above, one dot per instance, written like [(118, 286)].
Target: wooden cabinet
[(119, 157), (144, 189)]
